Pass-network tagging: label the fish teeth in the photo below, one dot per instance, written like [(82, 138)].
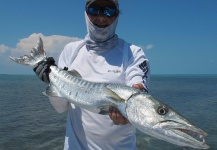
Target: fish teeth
[(204, 142)]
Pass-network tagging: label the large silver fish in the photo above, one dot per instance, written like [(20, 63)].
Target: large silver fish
[(143, 111)]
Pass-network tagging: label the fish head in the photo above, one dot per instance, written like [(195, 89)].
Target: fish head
[(160, 121)]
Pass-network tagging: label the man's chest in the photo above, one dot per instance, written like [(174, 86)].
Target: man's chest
[(100, 67)]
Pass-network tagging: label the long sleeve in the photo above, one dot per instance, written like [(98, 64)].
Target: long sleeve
[(138, 70)]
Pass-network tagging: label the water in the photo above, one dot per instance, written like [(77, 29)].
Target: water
[(29, 122)]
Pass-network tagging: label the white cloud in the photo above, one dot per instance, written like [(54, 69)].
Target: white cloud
[(52, 44), (149, 46), (3, 49)]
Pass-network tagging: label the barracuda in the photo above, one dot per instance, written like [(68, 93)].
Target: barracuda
[(143, 111)]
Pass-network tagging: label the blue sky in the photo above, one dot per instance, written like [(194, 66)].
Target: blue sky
[(178, 36)]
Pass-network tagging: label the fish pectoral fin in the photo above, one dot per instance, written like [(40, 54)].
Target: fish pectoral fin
[(51, 91), (75, 73), (111, 94), (104, 110)]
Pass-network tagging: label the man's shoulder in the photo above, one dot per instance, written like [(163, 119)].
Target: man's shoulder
[(72, 48), (132, 49), (74, 43), (131, 46)]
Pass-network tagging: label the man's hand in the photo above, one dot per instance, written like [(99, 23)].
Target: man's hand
[(42, 69), (138, 86), (115, 114), (117, 117)]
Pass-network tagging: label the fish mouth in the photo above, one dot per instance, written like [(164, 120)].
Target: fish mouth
[(187, 134), (195, 135)]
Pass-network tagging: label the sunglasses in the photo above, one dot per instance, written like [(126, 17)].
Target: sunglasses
[(107, 11)]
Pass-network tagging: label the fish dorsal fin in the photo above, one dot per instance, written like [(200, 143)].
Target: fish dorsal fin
[(111, 94), (75, 73), (52, 91)]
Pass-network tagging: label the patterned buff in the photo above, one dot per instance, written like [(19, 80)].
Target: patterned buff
[(100, 38)]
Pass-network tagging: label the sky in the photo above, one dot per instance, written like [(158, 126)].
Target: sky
[(177, 36)]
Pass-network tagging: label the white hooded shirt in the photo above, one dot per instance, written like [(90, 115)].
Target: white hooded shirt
[(89, 131), (124, 63)]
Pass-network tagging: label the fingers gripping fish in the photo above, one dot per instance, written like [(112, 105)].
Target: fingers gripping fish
[(143, 111)]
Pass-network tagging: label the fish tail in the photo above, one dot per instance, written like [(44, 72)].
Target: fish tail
[(37, 55)]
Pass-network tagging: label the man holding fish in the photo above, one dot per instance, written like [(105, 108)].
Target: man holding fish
[(100, 57)]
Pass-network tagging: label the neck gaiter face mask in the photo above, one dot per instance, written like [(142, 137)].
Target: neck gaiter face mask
[(100, 38)]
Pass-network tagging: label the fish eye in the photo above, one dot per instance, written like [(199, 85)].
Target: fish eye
[(162, 110)]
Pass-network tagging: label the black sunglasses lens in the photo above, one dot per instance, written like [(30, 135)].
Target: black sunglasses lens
[(93, 11), (107, 11)]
